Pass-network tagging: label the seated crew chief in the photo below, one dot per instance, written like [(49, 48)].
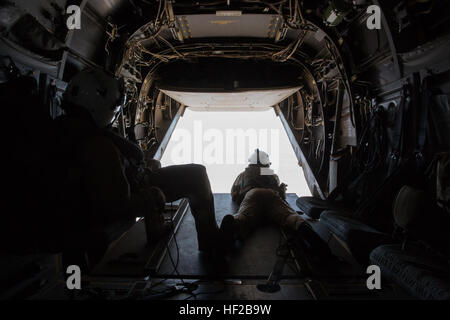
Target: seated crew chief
[(109, 179), (262, 199)]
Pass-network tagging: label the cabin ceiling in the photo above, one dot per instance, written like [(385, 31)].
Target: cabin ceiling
[(232, 101), (325, 76)]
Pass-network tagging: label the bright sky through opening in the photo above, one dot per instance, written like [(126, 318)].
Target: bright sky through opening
[(223, 141)]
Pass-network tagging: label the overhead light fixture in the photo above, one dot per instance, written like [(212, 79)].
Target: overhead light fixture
[(228, 13)]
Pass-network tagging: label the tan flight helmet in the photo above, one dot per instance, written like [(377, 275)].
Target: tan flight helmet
[(99, 93)]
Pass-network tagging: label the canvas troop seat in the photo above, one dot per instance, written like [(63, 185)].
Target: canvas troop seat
[(370, 225), (421, 273), (314, 207), (360, 238)]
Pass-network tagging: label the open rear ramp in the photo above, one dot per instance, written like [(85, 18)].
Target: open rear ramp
[(264, 259), (255, 259), (131, 257)]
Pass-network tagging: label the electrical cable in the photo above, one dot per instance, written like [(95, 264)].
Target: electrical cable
[(369, 154), (186, 287), (195, 295), (344, 78)]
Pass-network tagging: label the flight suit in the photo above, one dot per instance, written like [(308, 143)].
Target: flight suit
[(110, 183), (261, 200)]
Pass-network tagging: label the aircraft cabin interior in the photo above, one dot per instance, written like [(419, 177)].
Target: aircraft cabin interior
[(360, 89)]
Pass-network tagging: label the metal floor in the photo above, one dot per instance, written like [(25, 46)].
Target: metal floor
[(130, 256), (256, 257), (250, 265), (125, 271)]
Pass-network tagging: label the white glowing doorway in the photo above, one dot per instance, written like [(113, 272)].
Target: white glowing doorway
[(223, 141)]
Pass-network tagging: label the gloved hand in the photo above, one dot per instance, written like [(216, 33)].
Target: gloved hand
[(153, 165), (283, 189)]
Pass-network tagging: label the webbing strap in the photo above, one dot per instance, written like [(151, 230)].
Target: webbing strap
[(423, 117)]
